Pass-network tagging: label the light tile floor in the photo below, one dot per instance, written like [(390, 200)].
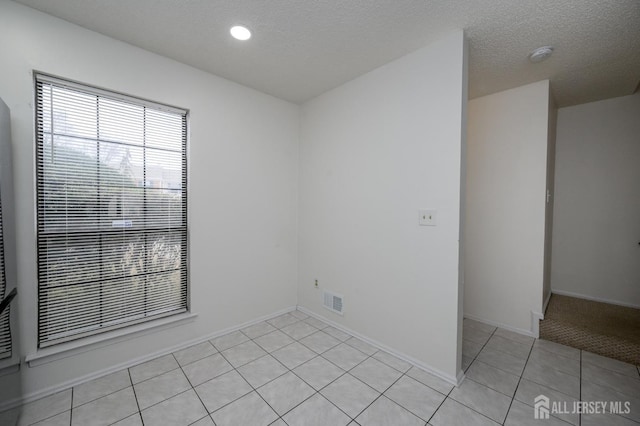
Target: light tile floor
[(296, 370)]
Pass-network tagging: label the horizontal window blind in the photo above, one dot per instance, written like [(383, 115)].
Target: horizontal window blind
[(5, 331), (112, 210)]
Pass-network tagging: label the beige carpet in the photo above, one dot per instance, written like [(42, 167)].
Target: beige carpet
[(601, 328)]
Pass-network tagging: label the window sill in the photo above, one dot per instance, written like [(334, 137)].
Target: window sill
[(64, 350)]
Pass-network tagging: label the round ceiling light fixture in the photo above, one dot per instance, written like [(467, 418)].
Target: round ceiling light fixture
[(540, 54), (240, 33)]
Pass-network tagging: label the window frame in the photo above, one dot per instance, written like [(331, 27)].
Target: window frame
[(4, 291), (8, 363), (75, 338)]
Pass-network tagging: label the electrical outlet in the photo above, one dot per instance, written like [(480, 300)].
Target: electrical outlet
[(316, 284), (427, 217)]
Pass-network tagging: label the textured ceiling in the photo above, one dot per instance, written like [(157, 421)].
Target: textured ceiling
[(303, 48)]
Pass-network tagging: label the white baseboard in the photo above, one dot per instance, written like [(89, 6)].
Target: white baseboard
[(534, 330), (456, 381), (529, 333), (595, 299), (33, 396), (536, 317)]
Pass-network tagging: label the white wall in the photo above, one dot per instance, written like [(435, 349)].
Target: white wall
[(242, 177), (597, 214), (373, 152), (505, 210)]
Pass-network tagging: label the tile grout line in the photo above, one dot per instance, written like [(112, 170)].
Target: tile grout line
[(519, 380), (536, 347), (344, 374), (474, 359), (71, 408), (308, 384), (159, 402), (341, 375), (131, 384), (521, 375), (48, 417), (250, 385), (381, 395), (192, 388), (135, 395), (495, 390), (337, 378), (317, 355), (533, 380), (197, 359), (154, 377), (473, 409), (403, 374), (441, 403), (235, 370), (580, 392), (483, 346)]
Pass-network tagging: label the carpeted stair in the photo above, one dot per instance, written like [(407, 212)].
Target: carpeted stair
[(609, 330)]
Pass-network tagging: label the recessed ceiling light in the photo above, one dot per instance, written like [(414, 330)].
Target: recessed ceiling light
[(540, 54), (240, 33)]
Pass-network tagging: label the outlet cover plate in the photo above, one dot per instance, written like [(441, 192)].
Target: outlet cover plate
[(427, 217)]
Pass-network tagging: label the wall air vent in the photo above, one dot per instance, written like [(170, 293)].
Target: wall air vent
[(333, 302)]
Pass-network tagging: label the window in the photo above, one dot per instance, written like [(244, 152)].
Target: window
[(112, 210), (5, 331)]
